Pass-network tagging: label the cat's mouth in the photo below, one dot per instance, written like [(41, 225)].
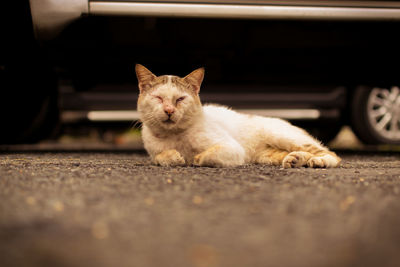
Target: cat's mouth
[(168, 121)]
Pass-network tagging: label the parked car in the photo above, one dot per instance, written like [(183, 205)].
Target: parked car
[(320, 64)]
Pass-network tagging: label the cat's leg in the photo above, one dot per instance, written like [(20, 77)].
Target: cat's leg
[(302, 148), (169, 158), (294, 159), (220, 156), (276, 156)]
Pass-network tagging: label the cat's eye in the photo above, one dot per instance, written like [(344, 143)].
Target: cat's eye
[(159, 98), (180, 99)]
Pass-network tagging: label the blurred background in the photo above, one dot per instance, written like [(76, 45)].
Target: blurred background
[(67, 67)]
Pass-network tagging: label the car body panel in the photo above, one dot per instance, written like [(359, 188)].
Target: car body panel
[(51, 17), (242, 11)]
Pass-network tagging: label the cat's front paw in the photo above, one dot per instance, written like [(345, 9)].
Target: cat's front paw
[(169, 158)]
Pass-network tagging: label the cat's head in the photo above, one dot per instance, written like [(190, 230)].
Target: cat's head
[(169, 102)]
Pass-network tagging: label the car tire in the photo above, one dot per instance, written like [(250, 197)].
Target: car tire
[(29, 102), (375, 114)]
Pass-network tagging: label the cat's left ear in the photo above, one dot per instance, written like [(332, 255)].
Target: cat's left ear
[(195, 78)]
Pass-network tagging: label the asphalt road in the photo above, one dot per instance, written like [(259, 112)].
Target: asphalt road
[(116, 209)]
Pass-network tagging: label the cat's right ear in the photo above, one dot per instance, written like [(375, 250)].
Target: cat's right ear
[(195, 78), (144, 76)]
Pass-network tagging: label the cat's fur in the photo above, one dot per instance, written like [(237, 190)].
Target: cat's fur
[(178, 130)]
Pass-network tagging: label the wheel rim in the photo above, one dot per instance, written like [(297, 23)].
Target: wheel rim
[(384, 112)]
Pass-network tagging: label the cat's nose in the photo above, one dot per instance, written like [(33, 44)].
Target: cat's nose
[(169, 110)]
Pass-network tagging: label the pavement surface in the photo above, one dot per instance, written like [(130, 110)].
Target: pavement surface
[(116, 209)]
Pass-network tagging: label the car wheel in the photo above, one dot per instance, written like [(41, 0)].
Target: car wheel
[(375, 114)]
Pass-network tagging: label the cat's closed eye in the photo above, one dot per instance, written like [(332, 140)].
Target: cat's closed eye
[(159, 98), (180, 99)]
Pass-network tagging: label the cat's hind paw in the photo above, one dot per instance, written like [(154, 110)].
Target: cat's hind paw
[(316, 162), (296, 159), (169, 158), (325, 161)]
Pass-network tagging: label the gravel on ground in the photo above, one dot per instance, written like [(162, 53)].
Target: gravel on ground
[(116, 209)]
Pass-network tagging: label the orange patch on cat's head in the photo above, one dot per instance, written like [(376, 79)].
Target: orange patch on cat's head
[(147, 80)]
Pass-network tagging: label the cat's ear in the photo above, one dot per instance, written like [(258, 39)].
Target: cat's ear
[(195, 78), (144, 76)]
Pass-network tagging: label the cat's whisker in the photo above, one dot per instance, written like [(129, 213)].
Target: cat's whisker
[(136, 124)]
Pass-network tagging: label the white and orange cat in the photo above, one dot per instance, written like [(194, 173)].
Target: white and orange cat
[(178, 130)]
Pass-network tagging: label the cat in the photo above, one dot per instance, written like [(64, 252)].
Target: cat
[(177, 130)]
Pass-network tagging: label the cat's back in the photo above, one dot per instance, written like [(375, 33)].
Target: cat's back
[(219, 117), (250, 130), (226, 116), (220, 114), (246, 125)]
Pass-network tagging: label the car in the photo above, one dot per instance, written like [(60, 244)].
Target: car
[(319, 64)]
